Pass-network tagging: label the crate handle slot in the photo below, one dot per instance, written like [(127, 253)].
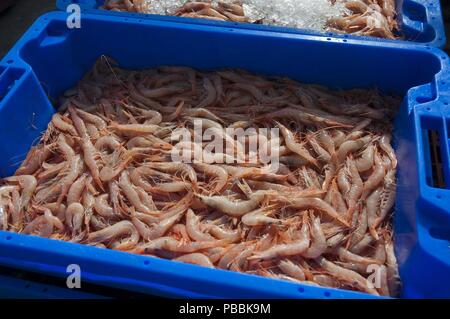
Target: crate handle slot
[(413, 10), (55, 33), (440, 233), (435, 174), (8, 79)]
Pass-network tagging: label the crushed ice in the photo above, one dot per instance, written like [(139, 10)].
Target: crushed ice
[(303, 14)]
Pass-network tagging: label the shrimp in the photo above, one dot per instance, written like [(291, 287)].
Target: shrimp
[(43, 225), (217, 171), (131, 193), (15, 210), (28, 184), (393, 275), (78, 123), (158, 93), (231, 208), (193, 227), (335, 240), (388, 195), (99, 123), (76, 190), (65, 148), (74, 218), (259, 217), (375, 179), (196, 259), (4, 202), (346, 275), (260, 174), (60, 123), (102, 207), (284, 250), (75, 168), (326, 281), (356, 189), (158, 229), (373, 205), (319, 242), (204, 113), (146, 199), (261, 185), (170, 244), (385, 144), (363, 244), (324, 156), (338, 138), (347, 256), (337, 201), (295, 147), (326, 140), (351, 146), (361, 227), (59, 210), (330, 172), (318, 204), (88, 202), (35, 157), (108, 173), (206, 124), (167, 188), (240, 263), (384, 282), (50, 171), (226, 234), (211, 94), (116, 231), (292, 270), (92, 131), (230, 255), (90, 158), (365, 162), (135, 129), (380, 252), (174, 168), (343, 181), (109, 142)]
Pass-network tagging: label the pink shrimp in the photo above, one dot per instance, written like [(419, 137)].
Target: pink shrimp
[(196, 259), (283, 250), (116, 231), (28, 184)]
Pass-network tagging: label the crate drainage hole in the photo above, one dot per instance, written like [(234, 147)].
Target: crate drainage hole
[(437, 169), (146, 262), (8, 237)]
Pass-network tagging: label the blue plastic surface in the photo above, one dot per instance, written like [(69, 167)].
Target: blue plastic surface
[(50, 58), (16, 288), (420, 20)]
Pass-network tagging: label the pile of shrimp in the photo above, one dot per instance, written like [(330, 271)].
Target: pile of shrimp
[(376, 18), (220, 11), (102, 175)]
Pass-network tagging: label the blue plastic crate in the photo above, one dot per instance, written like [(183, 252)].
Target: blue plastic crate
[(50, 58), (420, 20)]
